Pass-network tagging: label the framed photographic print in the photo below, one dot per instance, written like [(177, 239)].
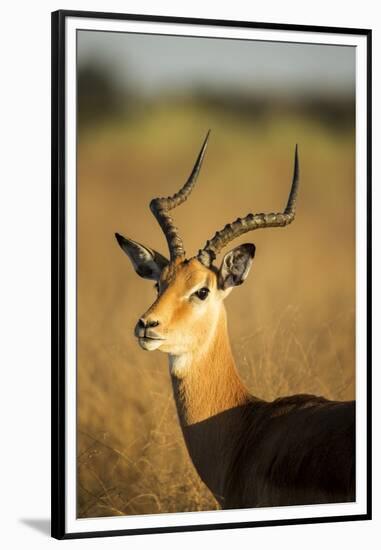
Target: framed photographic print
[(208, 374)]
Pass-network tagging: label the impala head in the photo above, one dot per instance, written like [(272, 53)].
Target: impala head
[(190, 292)]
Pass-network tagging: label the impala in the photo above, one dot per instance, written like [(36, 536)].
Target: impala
[(249, 452)]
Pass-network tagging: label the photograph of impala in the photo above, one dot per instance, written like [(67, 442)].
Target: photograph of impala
[(249, 452), (247, 397)]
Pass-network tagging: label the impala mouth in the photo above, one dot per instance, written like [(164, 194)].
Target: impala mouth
[(145, 337), (148, 343)]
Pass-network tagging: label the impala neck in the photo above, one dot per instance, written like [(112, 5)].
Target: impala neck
[(206, 382), (209, 397)]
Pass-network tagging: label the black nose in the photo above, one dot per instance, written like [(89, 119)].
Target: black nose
[(144, 325), (147, 323)]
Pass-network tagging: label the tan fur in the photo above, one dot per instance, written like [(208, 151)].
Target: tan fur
[(210, 384), (205, 381), (196, 338), (249, 452)]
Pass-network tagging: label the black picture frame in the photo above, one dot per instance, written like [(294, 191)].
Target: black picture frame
[(60, 244)]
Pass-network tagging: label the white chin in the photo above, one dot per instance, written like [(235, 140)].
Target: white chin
[(149, 345)]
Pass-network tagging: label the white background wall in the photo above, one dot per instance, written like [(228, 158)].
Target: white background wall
[(25, 270)]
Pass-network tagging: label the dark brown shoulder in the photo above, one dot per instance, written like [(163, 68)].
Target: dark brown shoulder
[(284, 405)]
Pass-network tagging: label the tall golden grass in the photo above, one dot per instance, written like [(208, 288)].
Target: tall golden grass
[(291, 323)]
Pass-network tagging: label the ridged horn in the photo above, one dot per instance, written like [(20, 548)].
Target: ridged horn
[(161, 206), (251, 222)]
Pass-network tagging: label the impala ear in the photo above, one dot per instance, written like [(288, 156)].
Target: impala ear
[(236, 266), (147, 263)]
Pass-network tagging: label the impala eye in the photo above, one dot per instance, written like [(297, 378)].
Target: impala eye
[(156, 287), (202, 294)]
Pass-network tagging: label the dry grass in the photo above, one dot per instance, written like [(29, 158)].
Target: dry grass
[(291, 324)]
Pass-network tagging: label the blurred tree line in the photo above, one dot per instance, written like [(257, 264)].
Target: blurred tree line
[(101, 98)]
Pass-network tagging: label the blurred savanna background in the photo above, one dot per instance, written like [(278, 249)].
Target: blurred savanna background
[(145, 103)]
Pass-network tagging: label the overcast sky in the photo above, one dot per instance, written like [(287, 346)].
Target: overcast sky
[(157, 63)]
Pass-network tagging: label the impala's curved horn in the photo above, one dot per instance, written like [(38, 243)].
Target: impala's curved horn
[(161, 206), (251, 222)]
